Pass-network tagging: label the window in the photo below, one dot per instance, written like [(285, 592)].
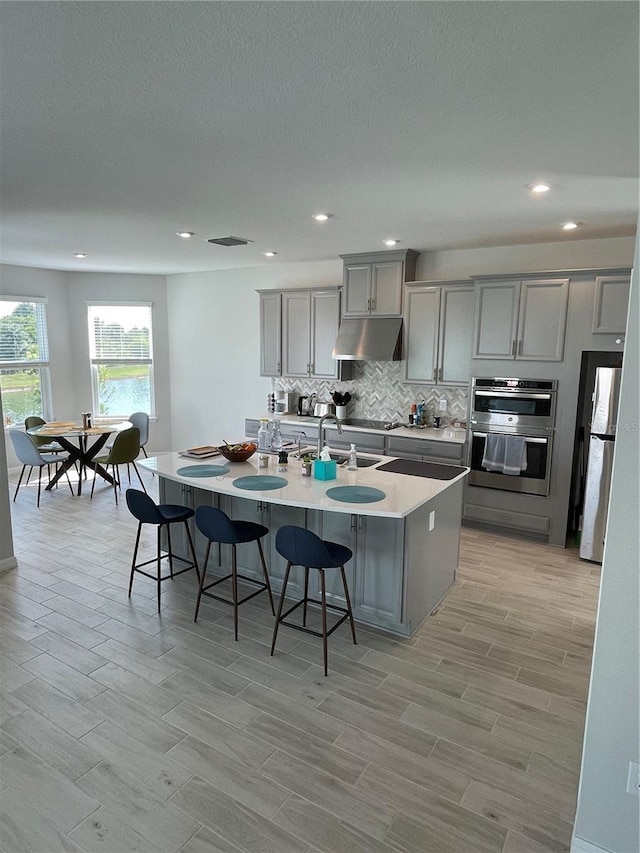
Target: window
[(121, 351), (24, 359)]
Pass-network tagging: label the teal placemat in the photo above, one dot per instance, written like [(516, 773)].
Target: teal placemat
[(261, 483), (203, 470), (355, 494)]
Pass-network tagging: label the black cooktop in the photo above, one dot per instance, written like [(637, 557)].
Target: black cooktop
[(432, 470)]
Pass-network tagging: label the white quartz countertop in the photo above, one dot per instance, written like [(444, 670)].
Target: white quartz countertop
[(454, 435), (403, 493)]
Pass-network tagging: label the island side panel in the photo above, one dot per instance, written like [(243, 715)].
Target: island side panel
[(431, 556)]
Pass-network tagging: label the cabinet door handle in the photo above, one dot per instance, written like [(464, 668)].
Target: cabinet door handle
[(278, 367), (312, 369), (373, 304), (520, 347), (354, 519), (440, 375), (435, 374), (513, 348)]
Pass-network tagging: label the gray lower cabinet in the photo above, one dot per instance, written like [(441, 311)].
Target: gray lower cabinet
[(290, 432), (365, 442), (171, 492), (522, 320), (448, 453), (273, 516), (611, 304), (374, 574), (401, 567), (439, 332)]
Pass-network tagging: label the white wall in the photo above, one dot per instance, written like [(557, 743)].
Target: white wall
[(569, 254), (215, 346), (607, 816), (67, 295)]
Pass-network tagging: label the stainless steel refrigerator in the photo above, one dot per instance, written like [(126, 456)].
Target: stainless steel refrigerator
[(600, 462)]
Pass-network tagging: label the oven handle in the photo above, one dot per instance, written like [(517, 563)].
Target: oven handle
[(526, 437), (515, 394)]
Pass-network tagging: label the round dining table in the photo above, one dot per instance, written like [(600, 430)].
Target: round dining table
[(82, 446)]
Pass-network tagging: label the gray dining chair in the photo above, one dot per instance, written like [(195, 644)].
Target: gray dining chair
[(28, 453), (141, 420)]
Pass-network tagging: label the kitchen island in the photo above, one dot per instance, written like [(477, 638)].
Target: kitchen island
[(405, 544)]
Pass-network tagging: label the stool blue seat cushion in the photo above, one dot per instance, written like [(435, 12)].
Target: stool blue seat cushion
[(142, 507), (218, 527), (303, 548)]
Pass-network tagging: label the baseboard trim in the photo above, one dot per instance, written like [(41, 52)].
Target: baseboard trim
[(581, 845), (8, 563)]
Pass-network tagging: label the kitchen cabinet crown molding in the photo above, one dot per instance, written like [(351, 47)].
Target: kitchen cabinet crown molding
[(389, 255), (522, 276), (450, 282), (330, 288)]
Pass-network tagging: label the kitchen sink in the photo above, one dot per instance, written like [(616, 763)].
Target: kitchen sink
[(362, 461)]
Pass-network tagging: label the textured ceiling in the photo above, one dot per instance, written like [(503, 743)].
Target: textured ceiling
[(123, 122)]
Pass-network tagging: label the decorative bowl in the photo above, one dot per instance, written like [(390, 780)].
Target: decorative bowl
[(238, 452)]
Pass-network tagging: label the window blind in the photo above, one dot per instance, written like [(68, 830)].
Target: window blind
[(23, 333), (120, 333)]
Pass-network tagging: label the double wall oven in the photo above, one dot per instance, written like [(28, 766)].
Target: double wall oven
[(522, 407)]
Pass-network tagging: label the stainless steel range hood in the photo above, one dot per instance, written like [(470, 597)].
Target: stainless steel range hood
[(369, 339)]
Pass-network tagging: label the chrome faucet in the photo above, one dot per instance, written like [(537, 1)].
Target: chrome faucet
[(321, 430), (300, 434)]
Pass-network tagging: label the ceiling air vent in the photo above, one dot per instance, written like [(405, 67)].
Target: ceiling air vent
[(229, 241)]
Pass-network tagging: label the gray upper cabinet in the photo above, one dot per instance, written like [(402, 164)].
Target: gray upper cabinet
[(521, 319), (310, 320), (611, 304), (438, 332), (372, 283), (270, 334)]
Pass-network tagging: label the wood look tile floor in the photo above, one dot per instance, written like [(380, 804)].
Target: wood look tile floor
[(123, 730)]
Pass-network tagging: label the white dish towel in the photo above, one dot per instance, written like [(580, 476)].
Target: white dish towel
[(505, 454)]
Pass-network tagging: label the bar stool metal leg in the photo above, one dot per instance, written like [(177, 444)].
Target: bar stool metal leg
[(306, 596), (266, 576), (280, 606), (348, 600), (323, 595)]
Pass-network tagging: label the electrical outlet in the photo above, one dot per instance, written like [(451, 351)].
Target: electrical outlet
[(442, 405), (633, 779), (432, 519)]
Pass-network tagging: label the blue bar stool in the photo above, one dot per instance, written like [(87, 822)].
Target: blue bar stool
[(301, 547), (142, 507), (216, 526)]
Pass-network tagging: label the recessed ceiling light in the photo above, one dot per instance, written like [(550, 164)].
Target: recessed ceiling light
[(80, 255), (569, 226), (321, 217), (269, 254), (539, 188), (391, 242), (186, 235)]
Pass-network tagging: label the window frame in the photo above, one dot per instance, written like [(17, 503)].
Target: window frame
[(42, 365), (95, 362)]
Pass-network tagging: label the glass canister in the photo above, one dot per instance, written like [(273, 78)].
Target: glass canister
[(264, 437), (276, 436)]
